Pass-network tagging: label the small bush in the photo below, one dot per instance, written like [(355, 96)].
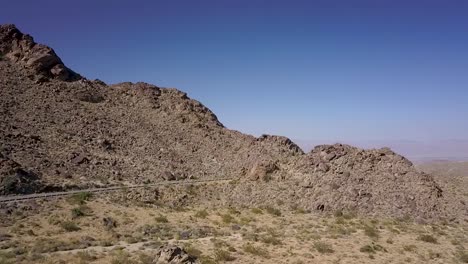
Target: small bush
[(434, 255), (409, 248), (372, 248), (80, 198), (300, 211), (227, 218), (371, 231), (251, 249), (121, 257), (54, 219), (7, 257), (193, 251), (257, 211), (273, 211), (234, 211), (223, 255), (86, 256), (69, 226), (201, 214), (77, 212), (161, 219), (323, 247), (271, 240), (144, 258), (367, 249), (428, 239), (207, 260), (462, 256)]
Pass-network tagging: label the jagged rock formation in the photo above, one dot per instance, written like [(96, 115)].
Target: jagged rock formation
[(39, 59), (16, 180), (87, 133), (171, 254)]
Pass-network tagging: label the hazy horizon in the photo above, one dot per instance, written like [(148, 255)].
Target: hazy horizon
[(328, 71)]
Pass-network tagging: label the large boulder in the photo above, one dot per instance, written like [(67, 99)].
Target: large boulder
[(171, 254)]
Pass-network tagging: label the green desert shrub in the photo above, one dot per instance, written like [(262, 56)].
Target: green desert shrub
[(371, 231), (372, 248), (223, 255), (257, 251), (80, 198), (273, 211), (428, 239), (227, 218), (69, 226), (257, 211), (462, 256), (161, 219), (323, 247), (201, 214)]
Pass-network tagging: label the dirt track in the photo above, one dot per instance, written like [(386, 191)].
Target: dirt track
[(4, 199)]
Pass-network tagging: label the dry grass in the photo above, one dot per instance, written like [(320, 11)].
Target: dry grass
[(247, 235)]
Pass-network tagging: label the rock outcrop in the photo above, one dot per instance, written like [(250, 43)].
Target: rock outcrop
[(171, 254), (16, 180), (39, 59)]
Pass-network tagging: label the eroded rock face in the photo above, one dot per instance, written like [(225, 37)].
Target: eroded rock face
[(262, 170), (171, 254), (16, 180), (370, 181), (40, 59)]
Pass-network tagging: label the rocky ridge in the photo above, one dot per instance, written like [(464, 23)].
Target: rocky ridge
[(69, 131), (40, 60)]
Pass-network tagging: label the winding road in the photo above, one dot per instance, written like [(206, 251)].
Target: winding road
[(11, 198)]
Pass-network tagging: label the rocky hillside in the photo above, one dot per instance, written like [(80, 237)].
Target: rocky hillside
[(60, 130)]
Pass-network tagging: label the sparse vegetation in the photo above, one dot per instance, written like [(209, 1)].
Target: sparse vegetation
[(86, 256), (80, 198), (410, 248), (257, 251), (201, 214), (121, 257), (69, 226), (7, 257), (273, 211), (161, 219), (228, 218), (223, 255), (77, 212), (193, 251), (428, 239), (371, 231), (257, 211), (462, 255), (271, 240), (266, 234), (323, 247), (372, 248)]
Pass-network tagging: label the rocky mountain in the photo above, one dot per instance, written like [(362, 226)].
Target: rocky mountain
[(60, 131)]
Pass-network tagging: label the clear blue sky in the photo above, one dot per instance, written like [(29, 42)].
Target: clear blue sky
[(313, 70)]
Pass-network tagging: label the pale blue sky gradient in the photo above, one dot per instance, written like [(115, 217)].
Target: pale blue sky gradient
[(310, 70)]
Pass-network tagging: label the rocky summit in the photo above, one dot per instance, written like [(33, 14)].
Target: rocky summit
[(61, 131)]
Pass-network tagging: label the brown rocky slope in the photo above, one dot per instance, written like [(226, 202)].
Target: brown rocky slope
[(65, 131)]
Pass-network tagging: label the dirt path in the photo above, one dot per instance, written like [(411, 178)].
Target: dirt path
[(4, 199)]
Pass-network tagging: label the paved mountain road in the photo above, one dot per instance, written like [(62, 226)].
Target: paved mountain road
[(4, 199)]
